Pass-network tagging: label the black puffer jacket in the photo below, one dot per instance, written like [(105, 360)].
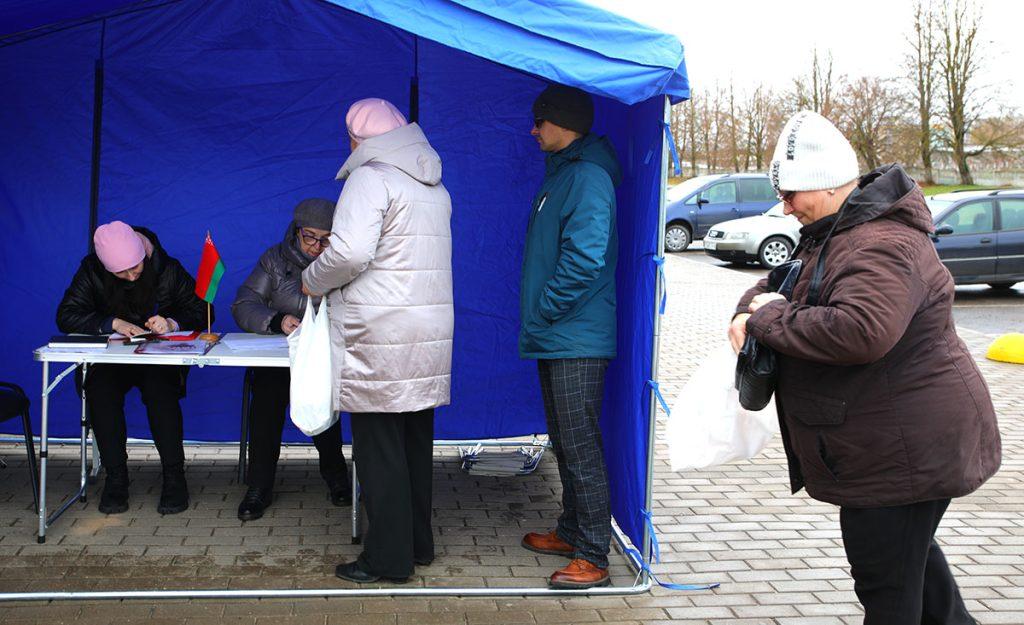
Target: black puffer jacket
[(84, 308), (273, 288)]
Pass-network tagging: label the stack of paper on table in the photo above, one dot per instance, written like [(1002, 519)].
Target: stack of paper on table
[(255, 342)]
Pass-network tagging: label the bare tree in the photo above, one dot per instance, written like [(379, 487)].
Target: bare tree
[(762, 114), (921, 70), (815, 90), (732, 121), (870, 112), (959, 64)]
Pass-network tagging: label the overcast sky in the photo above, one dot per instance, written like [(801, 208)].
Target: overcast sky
[(770, 41)]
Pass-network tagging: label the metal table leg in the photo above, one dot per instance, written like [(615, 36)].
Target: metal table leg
[(84, 478), (243, 438), (44, 445), (44, 433), (357, 536)]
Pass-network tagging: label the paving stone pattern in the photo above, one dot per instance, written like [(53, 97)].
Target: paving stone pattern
[(778, 557)]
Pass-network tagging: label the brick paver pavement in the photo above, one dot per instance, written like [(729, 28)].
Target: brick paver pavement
[(778, 556)]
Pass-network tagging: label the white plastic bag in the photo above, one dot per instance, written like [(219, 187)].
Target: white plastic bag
[(707, 425), (309, 350)]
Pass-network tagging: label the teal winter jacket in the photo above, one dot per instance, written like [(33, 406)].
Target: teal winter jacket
[(567, 294)]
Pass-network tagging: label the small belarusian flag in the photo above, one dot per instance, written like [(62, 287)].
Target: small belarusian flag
[(211, 269)]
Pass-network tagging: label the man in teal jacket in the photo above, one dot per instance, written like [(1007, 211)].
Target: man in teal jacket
[(567, 322)]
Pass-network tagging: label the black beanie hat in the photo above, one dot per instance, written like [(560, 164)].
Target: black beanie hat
[(314, 213), (567, 107)]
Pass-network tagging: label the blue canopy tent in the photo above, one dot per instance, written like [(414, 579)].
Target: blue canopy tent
[(188, 115)]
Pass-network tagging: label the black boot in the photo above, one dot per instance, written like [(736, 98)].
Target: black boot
[(114, 499), (255, 501), (174, 494), (341, 491)]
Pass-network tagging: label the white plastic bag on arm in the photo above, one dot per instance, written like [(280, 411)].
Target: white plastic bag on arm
[(707, 425), (309, 350)]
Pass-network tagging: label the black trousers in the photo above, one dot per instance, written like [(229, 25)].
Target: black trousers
[(573, 390), (394, 453), (162, 388), (270, 392), (899, 572)]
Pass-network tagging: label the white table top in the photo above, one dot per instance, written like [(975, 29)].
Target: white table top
[(220, 356)]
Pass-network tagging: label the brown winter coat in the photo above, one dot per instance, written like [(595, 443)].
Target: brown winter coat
[(880, 403)]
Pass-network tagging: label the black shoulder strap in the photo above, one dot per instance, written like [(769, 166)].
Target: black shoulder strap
[(814, 290)]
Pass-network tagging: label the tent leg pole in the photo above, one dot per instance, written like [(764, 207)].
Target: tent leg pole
[(656, 342)]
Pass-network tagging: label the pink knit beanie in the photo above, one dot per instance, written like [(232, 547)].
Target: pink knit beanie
[(371, 117), (118, 246)]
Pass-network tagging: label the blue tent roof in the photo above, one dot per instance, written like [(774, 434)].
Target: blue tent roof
[(563, 41)]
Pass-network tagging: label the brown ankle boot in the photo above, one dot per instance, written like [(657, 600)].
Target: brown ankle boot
[(548, 543), (580, 574)]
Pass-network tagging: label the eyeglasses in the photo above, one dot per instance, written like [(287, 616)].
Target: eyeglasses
[(538, 122), (785, 196), (310, 239)]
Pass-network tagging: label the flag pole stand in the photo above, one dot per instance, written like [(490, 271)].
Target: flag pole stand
[(208, 335)]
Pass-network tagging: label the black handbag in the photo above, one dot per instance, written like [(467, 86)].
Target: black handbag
[(757, 368), (756, 365)]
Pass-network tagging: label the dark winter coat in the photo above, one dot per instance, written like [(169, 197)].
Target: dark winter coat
[(84, 308), (274, 288), (879, 400), (567, 292)]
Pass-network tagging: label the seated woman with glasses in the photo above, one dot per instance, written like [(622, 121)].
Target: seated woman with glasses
[(270, 301)]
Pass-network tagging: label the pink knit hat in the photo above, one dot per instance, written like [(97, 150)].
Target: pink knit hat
[(371, 117), (118, 246)]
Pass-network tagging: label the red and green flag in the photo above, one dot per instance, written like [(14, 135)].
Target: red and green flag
[(211, 269)]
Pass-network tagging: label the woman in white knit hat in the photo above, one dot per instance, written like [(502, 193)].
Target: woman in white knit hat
[(883, 411)]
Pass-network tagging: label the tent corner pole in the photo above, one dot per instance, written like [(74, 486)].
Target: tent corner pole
[(659, 287)]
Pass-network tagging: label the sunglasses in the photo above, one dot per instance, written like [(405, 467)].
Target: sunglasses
[(538, 122), (310, 239), (785, 196)]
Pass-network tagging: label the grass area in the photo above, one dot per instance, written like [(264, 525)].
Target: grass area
[(948, 188)]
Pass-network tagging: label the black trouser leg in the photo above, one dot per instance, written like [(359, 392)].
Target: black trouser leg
[(899, 572), (381, 445), (332, 457), (567, 528), (419, 452), (105, 388), (270, 388), (577, 390), (161, 393)]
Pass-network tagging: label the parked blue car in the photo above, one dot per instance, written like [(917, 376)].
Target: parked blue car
[(980, 236), (693, 206)]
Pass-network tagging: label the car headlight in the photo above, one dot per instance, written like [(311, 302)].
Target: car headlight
[(736, 235)]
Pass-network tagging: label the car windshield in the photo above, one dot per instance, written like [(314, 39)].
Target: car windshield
[(775, 211), (687, 187), (937, 206)]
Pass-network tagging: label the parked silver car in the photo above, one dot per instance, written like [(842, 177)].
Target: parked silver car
[(768, 238)]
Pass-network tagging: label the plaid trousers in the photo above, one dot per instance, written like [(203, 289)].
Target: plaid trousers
[(572, 390)]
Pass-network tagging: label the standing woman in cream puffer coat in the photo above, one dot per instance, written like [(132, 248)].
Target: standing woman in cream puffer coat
[(388, 279)]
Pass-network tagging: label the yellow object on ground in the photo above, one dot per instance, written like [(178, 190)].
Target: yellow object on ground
[(1007, 348)]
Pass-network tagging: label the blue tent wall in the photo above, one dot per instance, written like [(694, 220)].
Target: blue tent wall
[(223, 115)]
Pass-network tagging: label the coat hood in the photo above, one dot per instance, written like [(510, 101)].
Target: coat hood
[(290, 250), (406, 148), (591, 148), (887, 192)]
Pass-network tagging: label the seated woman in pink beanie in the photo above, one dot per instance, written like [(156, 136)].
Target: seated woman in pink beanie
[(131, 285)]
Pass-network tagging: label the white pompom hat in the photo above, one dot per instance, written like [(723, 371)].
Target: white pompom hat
[(812, 154)]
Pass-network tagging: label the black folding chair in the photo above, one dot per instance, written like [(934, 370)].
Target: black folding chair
[(14, 403)]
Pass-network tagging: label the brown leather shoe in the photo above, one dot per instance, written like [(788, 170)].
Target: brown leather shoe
[(580, 574), (549, 544)]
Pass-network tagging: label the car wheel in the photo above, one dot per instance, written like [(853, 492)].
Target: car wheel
[(677, 238), (1001, 285), (774, 252)]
